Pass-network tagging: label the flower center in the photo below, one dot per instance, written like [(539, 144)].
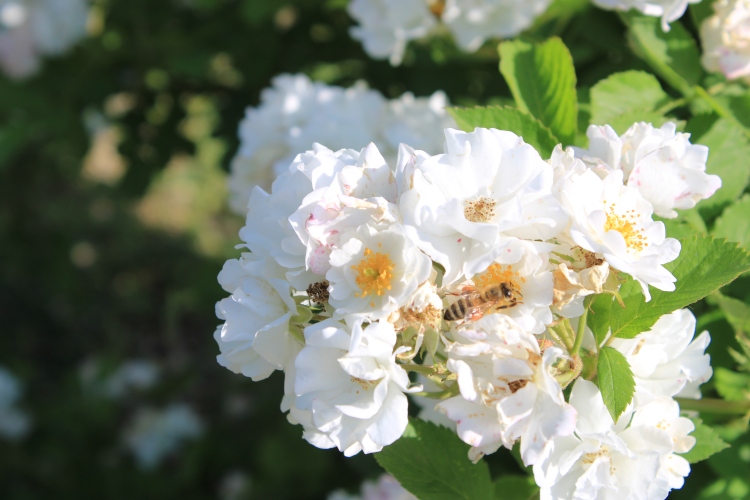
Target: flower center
[(497, 273), (480, 210), (366, 385), (374, 273), (626, 224), (589, 458)]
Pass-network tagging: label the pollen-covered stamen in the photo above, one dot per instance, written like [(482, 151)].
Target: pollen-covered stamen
[(627, 225), (366, 385), (496, 274), (479, 210), (437, 7), (374, 273)]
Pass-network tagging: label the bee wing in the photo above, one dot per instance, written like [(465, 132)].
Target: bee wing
[(479, 310)]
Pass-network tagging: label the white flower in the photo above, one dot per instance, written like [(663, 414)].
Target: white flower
[(668, 10), (139, 374), (615, 221), (416, 121), (154, 434), (293, 114), (375, 272), (489, 184), (660, 163), (609, 461), (14, 423), (30, 29), (255, 339), (726, 39), (507, 389), (352, 385), (355, 189), (386, 26), (666, 360), (474, 21), (525, 270), (296, 112)]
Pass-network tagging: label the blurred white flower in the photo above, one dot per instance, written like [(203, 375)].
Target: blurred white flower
[(386, 26), (474, 21), (634, 458), (609, 219), (660, 163), (153, 434), (508, 391), (352, 386), (31, 29), (487, 186), (666, 360), (667, 10), (385, 488), (296, 112), (14, 423), (138, 374), (726, 39), (255, 339)]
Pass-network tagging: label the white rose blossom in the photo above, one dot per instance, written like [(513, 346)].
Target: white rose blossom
[(254, 339), (464, 204), (473, 21), (726, 39), (352, 386), (508, 391), (634, 458), (666, 360), (386, 26), (660, 163), (667, 10), (609, 219), (295, 112), (375, 272)]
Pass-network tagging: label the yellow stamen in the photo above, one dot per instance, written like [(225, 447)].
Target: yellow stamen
[(496, 274), (626, 225), (374, 273)]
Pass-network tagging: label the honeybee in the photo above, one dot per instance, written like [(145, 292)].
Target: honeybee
[(473, 302)]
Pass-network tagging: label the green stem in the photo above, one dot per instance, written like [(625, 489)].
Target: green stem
[(425, 370), (717, 406), (677, 103), (581, 327), (718, 108)]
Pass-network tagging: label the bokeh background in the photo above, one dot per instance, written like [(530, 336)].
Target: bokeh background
[(114, 225)]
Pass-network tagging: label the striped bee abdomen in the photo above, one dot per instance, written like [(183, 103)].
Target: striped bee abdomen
[(455, 311)]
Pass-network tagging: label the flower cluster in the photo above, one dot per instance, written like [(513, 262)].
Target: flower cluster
[(472, 268), (296, 112), (385, 488), (30, 29), (726, 39), (386, 26)]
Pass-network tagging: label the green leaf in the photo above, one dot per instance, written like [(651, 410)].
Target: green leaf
[(432, 463), (516, 488), (707, 443), (688, 223), (672, 55), (705, 264), (734, 488), (542, 80), (628, 94), (736, 312), (734, 223), (615, 381), (728, 155), (732, 386), (523, 124)]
